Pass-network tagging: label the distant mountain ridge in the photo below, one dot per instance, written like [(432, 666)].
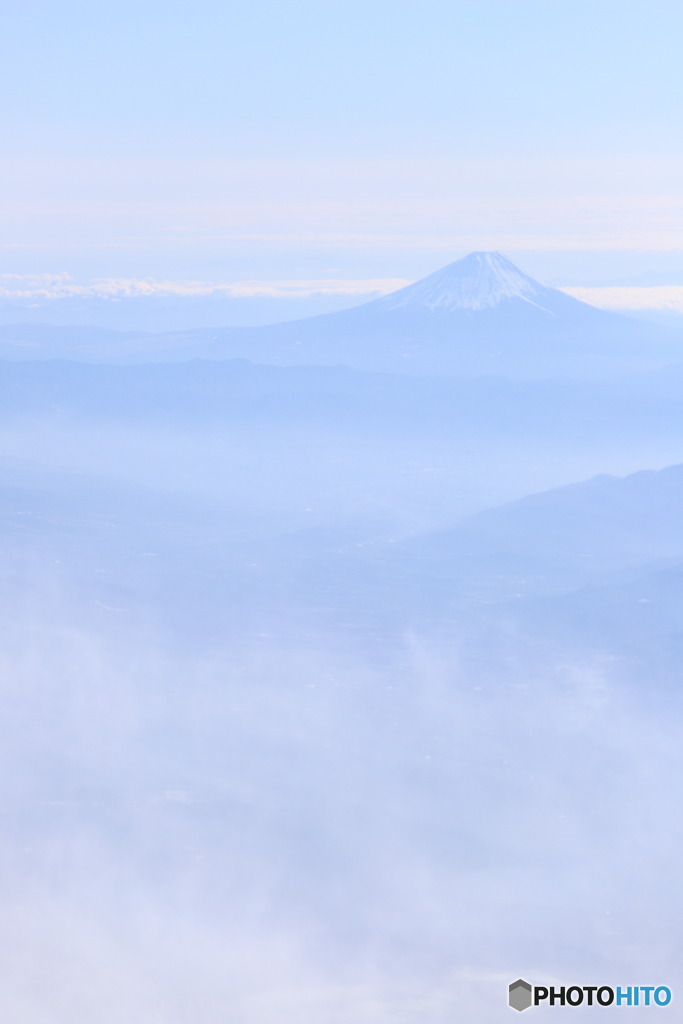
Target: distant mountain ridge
[(479, 316)]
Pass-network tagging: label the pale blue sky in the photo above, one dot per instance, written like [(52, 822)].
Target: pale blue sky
[(269, 141)]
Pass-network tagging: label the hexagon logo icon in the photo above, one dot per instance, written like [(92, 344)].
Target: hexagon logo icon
[(519, 995)]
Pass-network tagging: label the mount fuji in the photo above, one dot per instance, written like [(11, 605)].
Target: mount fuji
[(479, 315), (482, 280)]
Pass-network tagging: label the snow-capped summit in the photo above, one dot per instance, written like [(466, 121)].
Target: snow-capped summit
[(481, 280)]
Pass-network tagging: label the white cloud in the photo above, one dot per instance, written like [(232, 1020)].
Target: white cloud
[(47, 287), (663, 298), (62, 286)]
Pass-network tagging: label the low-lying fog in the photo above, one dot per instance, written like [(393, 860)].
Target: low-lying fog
[(274, 749)]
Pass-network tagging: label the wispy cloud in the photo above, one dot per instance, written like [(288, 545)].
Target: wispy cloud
[(663, 298), (160, 211), (62, 286), (50, 287)]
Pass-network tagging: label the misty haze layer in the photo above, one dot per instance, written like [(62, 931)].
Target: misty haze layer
[(340, 673)]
